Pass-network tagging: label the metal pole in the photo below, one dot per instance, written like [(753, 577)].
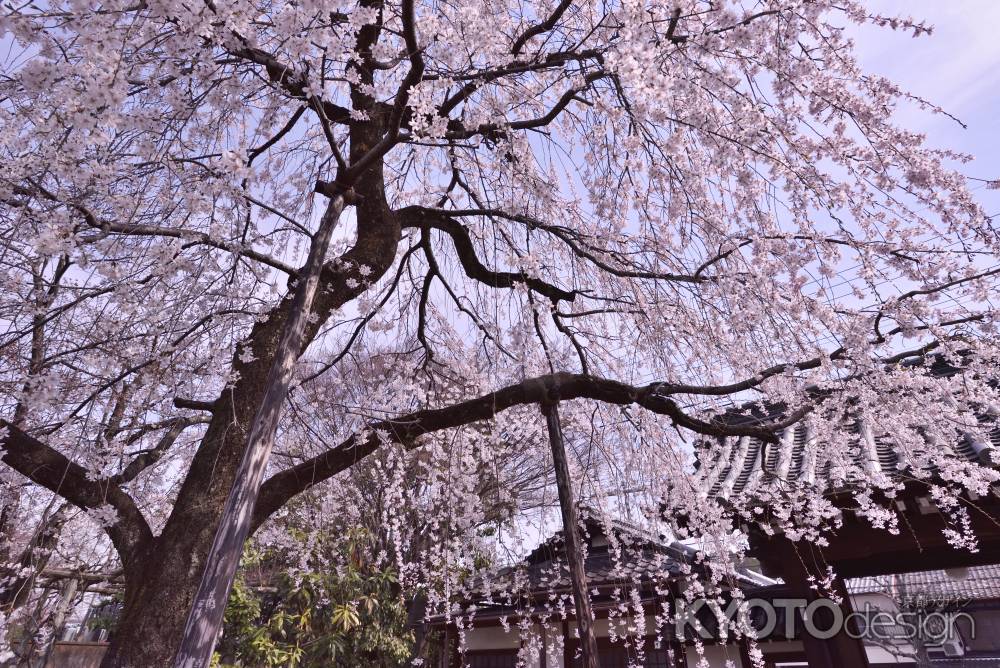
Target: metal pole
[(574, 556), (205, 619)]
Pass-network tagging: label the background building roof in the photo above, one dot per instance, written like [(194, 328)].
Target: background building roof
[(921, 588)]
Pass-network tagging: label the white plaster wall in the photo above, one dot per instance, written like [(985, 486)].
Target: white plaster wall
[(496, 637), (904, 651), (880, 655), (874, 599), (492, 637), (623, 627)]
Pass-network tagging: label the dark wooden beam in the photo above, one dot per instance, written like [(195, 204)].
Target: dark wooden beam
[(571, 539), (926, 559), (857, 550), (839, 650)]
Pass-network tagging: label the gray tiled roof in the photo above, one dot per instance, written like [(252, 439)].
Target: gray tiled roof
[(923, 587), (990, 661), (736, 465), (637, 558), (631, 566), (731, 466)]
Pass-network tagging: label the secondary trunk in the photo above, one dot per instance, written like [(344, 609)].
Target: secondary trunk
[(205, 619)]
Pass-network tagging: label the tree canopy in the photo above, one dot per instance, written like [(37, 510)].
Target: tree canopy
[(652, 211)]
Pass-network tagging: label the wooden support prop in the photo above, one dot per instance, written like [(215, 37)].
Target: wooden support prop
[(205, 619), (67, 597), (574, 556)]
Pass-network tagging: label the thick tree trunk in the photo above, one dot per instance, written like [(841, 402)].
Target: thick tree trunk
[(158, 596), (163, 579), (163, 576)]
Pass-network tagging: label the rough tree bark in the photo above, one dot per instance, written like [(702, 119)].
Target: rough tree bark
[(173, 562)]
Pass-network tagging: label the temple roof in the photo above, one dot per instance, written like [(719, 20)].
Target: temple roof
[(731, 466), (618, 554), (734, 465)]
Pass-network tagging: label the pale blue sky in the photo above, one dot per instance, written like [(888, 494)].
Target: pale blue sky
[(957, 67)]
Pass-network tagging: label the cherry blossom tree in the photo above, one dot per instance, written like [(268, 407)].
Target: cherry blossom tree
[(646, 210)]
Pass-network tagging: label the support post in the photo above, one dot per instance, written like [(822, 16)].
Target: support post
[(205, 619), (543, 659), (676, 654), (833, 652), (745, 658), (449, 648), (574, 555), (66, 597)]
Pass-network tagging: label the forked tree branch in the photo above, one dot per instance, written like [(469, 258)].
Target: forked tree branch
[(406, 429), (421, 218), (540, 28), (51, 469)]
